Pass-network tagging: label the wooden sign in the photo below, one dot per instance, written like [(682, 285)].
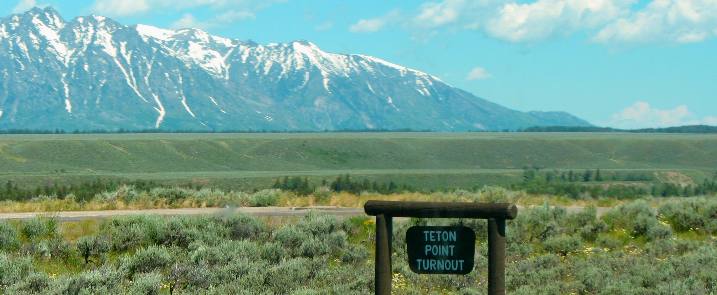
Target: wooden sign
[(434, 249), (441, 249)]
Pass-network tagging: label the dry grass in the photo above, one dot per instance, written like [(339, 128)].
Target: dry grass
[(323, 198), (73, 230), (355, 201), (486, 195)]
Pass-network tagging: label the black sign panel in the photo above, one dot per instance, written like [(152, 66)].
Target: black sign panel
[(441, 249)]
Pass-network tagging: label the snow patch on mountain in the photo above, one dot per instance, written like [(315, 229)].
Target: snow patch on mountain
[(160, 109), (53, 38), (3, 32), (66, 89), (104, 39), (370, 88), (389, 100), (153, 32), (207, 58)]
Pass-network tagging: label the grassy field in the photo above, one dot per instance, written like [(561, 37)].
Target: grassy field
[(650, 246), (423, 160)]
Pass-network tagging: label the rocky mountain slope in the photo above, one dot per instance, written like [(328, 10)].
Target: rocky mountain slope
[(94, 73)]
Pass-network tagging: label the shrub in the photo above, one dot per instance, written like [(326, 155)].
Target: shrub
[(14, 270), (38, 228), (313, 247), (319, 224), (638, 219), (146, 284), (337, 240), (658, 232), (273, 252), (176, 232), (290, 236), (586, 224), (264, 198), (92, 246), (609, 242), (127, 233), (243, 227), (354, 254), (225, 252), (172, 195), (186, 277), (563, 244), (178, 276), (129, 237), (8, 237), (55, 248), (104, 280), (661, 248), (127, 193), (210, 256), (289, 275), (691, 215), (35, 283), (147, 260), (538, 224), (493, 194)]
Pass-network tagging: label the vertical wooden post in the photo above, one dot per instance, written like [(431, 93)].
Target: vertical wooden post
[(496, 256), (383, 273), (389, 229)]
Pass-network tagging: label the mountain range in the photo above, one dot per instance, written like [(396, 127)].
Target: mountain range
[(93, 73)]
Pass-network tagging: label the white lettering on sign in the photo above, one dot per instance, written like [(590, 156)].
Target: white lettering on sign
[(439, 250), (439, 264), (439, 236)]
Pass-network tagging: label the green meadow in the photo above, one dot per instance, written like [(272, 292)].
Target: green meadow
[(421, 160)]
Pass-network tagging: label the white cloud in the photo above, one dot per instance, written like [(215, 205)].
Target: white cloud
[(681, 21), (478, 73), (711, 120), (134, 7), (546, 18), (121, 7), (234, 16), (607, 21), (325, 26), (374, 24), (189, 21), (436, 14), (643, 115), (25, 5), (367, 25)]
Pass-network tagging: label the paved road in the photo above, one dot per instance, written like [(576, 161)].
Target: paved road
[(256, 211)]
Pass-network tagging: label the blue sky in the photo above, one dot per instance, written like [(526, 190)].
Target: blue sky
[(621, 63)]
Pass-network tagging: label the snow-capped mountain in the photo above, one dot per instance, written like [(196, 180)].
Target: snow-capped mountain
[(94, 73)]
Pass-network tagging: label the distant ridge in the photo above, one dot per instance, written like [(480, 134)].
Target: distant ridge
[(677, 129), (93, 73)]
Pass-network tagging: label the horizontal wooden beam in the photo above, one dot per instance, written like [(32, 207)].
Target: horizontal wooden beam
[(442, 209)]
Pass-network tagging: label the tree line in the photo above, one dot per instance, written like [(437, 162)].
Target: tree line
[(677, 129), (196, 131), (590, 183), (342, 183), (84, 191)]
